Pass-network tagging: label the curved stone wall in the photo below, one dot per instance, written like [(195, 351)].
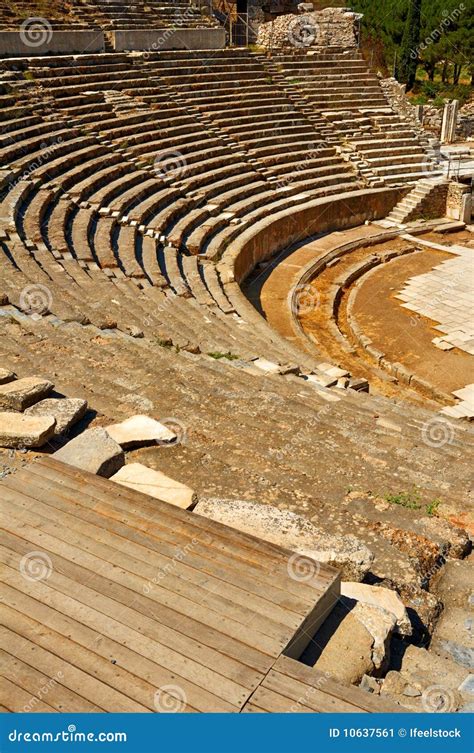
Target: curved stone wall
[(282, 230)]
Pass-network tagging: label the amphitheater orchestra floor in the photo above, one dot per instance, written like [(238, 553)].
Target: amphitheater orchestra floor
[(445, 295)]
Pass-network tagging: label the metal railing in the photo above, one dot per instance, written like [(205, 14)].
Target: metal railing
[(236, 24), (239, 30)]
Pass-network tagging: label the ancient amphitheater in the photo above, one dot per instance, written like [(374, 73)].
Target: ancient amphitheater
[(236, 371)]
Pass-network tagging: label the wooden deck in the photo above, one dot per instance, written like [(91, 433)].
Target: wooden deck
[(113, 601), (292, 687)]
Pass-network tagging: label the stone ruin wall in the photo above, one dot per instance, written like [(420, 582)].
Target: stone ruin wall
[(429, 116), (331, 27), (395, 93)]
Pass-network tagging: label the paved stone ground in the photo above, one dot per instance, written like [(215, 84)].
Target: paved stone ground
[(445, 295)]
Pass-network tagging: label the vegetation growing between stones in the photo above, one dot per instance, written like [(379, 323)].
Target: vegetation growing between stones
[(217, 356), (410, 500)]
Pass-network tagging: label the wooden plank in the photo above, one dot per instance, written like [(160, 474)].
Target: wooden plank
[(15, 698), (268, 700), (266, 557), (117, 665), (146, 605), (256, 549), (79, 682), (117, 535), (162, 597), (171, 660), (101, 558), (249, 708), (41, 686), (301, 693), (163, 637), (311, 676), (308, 629), (141, 595), (136, 558), (202, 542)]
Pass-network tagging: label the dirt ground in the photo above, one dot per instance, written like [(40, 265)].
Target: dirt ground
[(402, 335)]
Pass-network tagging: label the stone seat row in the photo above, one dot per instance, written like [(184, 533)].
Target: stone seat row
[(350, 97), (173, 316), (93, 202), (41, 200)]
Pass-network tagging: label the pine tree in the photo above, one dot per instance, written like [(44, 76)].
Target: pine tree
[(409, 48)]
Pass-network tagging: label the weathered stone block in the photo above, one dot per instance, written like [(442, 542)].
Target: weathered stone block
[(19, 430), (155, 484), (6, 376), (291, 531), (66, 411), (94, 451), (21, 393), (140, 430)]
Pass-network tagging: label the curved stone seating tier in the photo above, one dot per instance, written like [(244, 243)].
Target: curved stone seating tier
[(341, 90), (99, 14), (156, 160)]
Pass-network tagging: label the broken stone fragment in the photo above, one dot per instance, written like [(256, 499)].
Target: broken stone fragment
[(6, 376), (427, 682), (342, 647), (454, 583), (94, 451), (66, 411), (21, 393), (155, 484), (140, 430), (18, 430), (377, 596), (380, 623), (291, 531)]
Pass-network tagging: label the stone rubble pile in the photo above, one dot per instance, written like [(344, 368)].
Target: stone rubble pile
[(29, 418), (331, 27)]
